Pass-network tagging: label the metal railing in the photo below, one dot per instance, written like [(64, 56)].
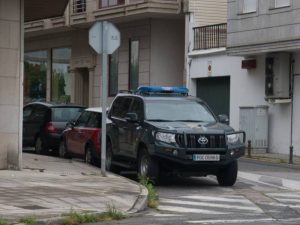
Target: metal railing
[(212, 36), (110, 3), (79, 6)]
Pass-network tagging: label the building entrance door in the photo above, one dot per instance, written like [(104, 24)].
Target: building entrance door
[(215, 91), (82, 87)]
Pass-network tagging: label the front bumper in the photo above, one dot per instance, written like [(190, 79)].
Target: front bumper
[(181, 159)]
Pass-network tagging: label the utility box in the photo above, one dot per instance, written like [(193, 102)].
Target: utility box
[(254, 121)]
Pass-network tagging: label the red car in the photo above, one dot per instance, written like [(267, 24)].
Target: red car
[(82, 137)]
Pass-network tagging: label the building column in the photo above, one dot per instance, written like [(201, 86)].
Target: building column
[(91, 85), (72, 74), (11, 83)]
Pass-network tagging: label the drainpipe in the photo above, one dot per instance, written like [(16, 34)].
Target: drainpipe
[(292, 76)]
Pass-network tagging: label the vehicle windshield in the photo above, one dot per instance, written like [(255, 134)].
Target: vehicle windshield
[(61, 114), (178, 110)]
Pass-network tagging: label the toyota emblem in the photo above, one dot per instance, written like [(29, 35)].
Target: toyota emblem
[(203, 140)]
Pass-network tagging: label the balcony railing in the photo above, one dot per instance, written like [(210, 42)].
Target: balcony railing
[(79, 6), (213, 36), (110, 3)]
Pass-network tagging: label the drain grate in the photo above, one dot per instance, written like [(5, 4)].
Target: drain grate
[(32, 207)]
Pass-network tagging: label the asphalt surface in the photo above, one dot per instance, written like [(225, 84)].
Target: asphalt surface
[(202, 201)]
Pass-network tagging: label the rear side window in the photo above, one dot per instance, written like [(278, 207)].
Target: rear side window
[(39, 114), (120, 107), (27, 113), (61, 114)]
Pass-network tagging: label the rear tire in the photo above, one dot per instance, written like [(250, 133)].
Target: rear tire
[(147, 166), (39, 146), (227, 175), (88, 156)]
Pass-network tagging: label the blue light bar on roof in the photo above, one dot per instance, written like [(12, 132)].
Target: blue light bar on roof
[(160, 89)]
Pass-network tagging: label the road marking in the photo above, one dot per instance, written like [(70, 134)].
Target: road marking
[(217, 199), (230, 221), (164, 215), (189, 210), (207, 204), (292, 195)]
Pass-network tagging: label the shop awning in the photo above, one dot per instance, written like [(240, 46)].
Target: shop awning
[(42, 9)]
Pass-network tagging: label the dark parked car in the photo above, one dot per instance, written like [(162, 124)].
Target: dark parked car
[(43, 124), (82, 137), (163, 130)]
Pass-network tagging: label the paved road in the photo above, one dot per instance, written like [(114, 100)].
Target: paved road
[(202, 201)]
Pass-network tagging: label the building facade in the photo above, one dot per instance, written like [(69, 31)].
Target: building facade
[(268, 33), (60, 65)]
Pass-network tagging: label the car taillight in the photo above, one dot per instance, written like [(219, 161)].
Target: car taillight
[(50, 128)]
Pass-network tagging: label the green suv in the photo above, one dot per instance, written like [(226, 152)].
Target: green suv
[(162, 130)]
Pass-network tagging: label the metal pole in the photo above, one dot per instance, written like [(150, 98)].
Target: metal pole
[(292, 108), (104, 98)]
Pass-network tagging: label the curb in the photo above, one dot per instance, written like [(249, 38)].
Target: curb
[(271, 181), (141, 201), (285, 165)]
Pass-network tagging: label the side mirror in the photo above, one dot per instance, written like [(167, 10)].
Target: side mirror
[(223, 119), (131, 117)]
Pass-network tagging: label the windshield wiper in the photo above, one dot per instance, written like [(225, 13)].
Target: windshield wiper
[(160, 120), (200, 121)]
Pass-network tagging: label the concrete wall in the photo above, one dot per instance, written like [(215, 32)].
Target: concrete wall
[(273, 26), (247, 88), (10, 83)]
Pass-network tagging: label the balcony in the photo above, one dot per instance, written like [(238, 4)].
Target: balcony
[(212, 36)]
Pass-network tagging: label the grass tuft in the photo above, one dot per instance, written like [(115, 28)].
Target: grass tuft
[(3, 222), (152, 194), (29, 221), (75, 218)]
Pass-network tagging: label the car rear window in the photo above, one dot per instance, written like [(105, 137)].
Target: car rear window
[(61, 114)]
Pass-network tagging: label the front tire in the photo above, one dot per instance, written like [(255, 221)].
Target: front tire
[(147, 166), (227, 176), (109, 159)]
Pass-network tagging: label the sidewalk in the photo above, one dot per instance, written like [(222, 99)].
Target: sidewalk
[(271, 169), (50, 187)]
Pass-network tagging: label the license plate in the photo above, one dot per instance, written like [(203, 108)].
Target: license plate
[(210, 157)]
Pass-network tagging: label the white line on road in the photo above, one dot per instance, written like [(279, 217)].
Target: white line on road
[(229, 221), (207, 204), (189, 210), (218, 199)]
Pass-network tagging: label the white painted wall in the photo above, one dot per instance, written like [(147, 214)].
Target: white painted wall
[(247, 88)]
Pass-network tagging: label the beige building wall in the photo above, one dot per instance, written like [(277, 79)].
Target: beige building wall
[(10, 83), (208, 12)]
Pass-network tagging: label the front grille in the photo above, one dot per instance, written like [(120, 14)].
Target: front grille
[(214, 141)]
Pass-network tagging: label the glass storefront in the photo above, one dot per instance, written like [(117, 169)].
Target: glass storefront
[(60, 78), (35, 76)]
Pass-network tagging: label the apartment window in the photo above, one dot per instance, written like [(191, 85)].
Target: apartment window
[(282, 3), (79, 6), (249, 6), (134, 64), (113, 74), (35, 76), (110, 3), (60, 78)]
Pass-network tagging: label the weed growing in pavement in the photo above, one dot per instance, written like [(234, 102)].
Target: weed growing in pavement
[(152, 194), (75, 218), (29, 221), (3, 222)]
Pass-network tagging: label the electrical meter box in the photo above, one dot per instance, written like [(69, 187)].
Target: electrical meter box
[(254, 121)]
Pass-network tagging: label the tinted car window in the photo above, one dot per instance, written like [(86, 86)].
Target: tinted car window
[(95, 120), (137, 107), (64, 114), (83, 119), (27, 113), (120, 107), (178, 110)]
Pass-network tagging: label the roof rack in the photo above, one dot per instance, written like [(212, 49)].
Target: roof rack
[(126, 91)]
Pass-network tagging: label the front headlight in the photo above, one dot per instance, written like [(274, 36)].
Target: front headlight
[(165, 137), (233, 138)]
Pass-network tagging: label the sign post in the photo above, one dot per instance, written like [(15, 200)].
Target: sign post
[(104, 38)]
